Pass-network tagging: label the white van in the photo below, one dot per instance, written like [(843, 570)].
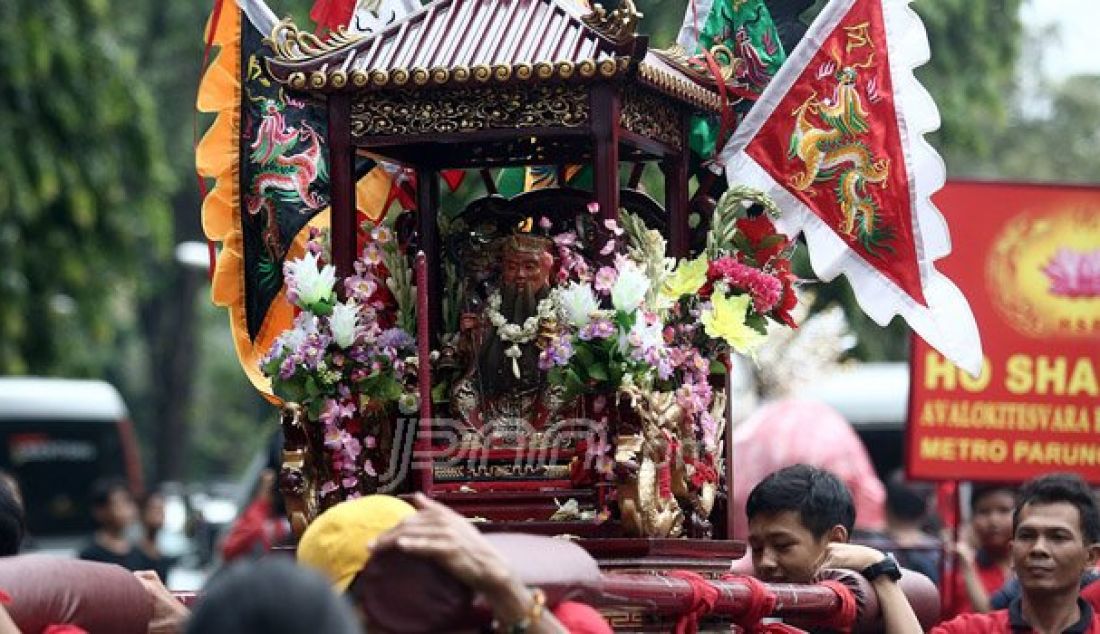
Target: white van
[(57, 437), (874, 398)]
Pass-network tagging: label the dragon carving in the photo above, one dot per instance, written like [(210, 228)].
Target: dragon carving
[(667, 459), (826, 138), (290, 162)]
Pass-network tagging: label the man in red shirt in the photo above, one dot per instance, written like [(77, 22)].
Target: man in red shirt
[(1056, 537)]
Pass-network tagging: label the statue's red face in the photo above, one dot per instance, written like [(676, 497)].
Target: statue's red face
[(527, 270)]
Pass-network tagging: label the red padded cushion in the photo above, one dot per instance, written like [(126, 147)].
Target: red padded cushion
[(97, 597)]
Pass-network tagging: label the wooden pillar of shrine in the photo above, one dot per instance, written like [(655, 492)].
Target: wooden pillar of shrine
[(427, 206), (342, 174), (606, 107), (675, 169)]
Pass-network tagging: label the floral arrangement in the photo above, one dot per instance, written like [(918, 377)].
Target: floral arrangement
[(645, 321), (344, 360)]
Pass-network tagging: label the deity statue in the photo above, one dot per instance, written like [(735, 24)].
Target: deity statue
[(499, 345)]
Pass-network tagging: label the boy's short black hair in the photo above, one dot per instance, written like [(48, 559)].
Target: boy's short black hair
[(103, 489), (979, 491), (1062, 487), (13, 522), (820, 498), (905, 502)]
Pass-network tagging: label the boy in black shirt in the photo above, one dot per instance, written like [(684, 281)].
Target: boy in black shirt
[(114, 511)]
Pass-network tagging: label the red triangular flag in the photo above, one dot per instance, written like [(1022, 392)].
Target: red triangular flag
[(836, 139), (329, 15)]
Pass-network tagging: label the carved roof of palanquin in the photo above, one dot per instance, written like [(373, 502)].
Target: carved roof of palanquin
[(482, 42)]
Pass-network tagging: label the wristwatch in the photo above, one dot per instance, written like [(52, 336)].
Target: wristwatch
[(888, 567)]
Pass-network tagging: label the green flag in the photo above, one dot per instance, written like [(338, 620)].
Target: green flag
[(740, 33)]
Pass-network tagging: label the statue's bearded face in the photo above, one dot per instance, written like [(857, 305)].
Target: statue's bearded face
[(526, 271)]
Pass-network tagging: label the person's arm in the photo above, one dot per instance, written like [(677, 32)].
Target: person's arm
[(7, 626), (968, 565), (169, 615), (440, 534), (897, 615)]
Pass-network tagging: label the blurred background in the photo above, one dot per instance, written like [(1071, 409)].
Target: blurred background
[(103, 266)]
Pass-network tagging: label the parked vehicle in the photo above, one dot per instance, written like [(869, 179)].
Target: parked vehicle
[(58, 436), (874, 398)]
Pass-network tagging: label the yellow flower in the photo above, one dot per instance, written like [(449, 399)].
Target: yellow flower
[(687, 279), (726, 320)]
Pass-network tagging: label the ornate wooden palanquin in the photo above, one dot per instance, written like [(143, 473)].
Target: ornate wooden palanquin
[(475, 84)]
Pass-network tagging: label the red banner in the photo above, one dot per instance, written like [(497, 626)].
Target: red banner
[(1027, 257)]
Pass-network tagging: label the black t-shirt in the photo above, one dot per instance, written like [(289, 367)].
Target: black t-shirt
[(133, 559)]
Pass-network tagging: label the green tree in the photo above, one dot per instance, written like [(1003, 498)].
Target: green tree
[(975, 47), (82, 189)]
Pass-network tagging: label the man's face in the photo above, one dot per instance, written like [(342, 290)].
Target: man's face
[(1049, 551), (783, 550), (152, 516), (993, 520), (119, 512), (527, 271)]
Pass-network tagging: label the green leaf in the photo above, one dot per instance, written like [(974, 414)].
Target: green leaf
[(598, 371), (757, 322), (583, 355)]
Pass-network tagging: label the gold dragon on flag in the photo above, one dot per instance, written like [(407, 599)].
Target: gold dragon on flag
[(831, 148)]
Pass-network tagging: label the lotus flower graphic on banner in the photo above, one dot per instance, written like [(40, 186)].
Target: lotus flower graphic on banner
[(837, 139)]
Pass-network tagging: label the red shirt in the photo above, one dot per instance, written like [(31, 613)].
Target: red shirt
[(1091, 595), (1011, 621), (991, 576)]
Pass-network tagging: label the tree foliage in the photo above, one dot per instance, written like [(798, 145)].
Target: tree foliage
[(82, 189), (975, 46)]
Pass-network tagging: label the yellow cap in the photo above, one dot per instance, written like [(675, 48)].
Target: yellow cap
[(335, 543)]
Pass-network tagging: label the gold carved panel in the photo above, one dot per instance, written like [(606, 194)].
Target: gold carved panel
[(431, 112), (647, 114)]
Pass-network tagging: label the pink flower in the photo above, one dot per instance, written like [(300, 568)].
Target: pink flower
[(328, 487), (1074, 273), (372, 254), (566, 239), (605, 279), (766, 290), (545, 224), (612, 225), (334, 411), (593, 207), (608, 248), (368, 468)]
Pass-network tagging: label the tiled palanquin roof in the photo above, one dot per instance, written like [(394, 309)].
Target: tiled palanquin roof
[(480, 42)]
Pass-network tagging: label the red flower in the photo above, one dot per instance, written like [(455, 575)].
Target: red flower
[(766, 242), (789, 300)]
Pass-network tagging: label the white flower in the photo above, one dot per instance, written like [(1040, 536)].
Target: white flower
[(310, 284), (630, 288), (344, 323), (578, 302), (643, 336), (305, 324)]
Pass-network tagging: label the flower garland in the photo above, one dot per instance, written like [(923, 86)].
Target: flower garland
[(516, 334)]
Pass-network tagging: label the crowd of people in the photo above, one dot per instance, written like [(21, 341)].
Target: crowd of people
[(1027, 563)]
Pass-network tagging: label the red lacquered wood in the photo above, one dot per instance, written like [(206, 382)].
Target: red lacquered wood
[(664, 595), (342, 173), (635, 547), (482, 488), (422, 463), (606, 107)]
